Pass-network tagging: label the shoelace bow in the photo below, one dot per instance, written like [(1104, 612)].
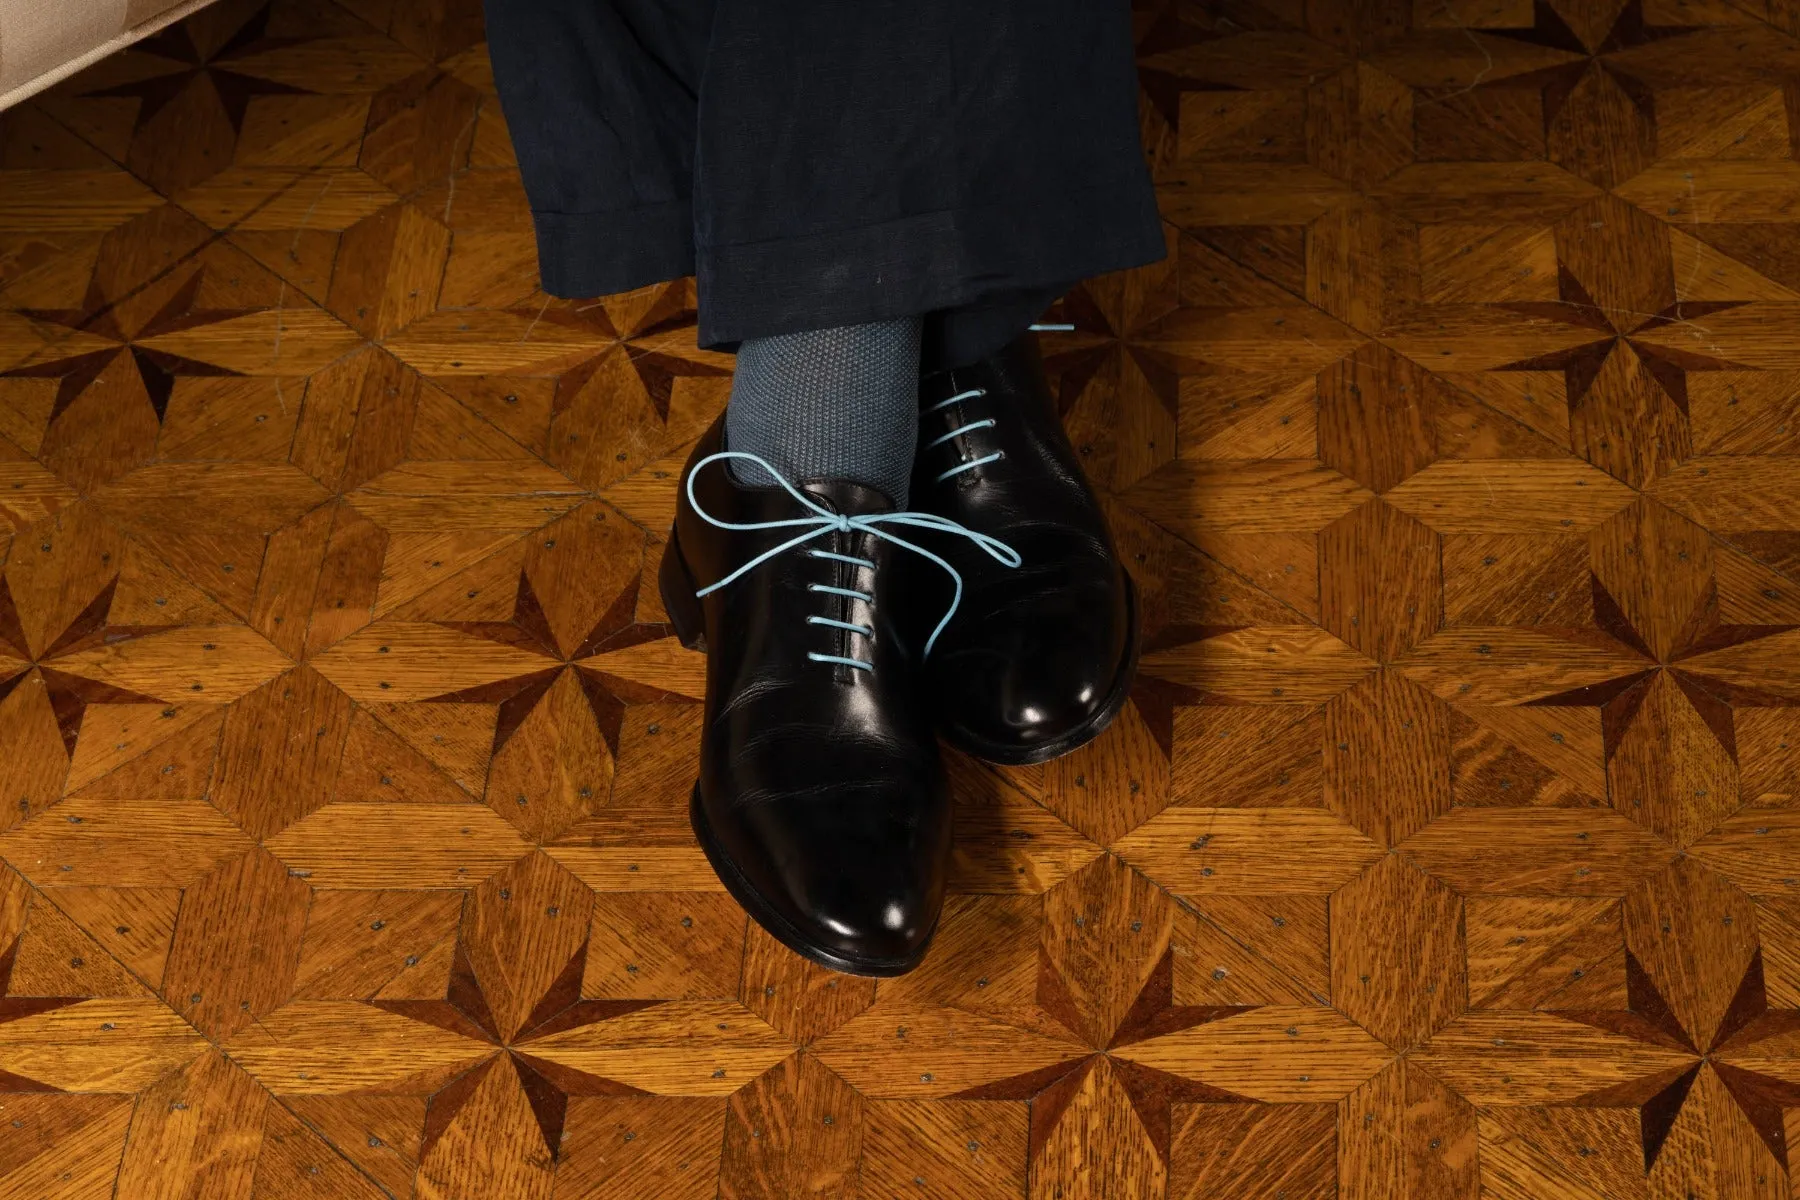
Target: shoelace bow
[(824, 521), (972, 426)]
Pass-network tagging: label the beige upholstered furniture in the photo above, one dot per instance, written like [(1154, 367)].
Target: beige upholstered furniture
[(43, 41)]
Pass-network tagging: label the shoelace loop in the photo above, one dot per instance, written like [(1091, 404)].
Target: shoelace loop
[(824, 521)]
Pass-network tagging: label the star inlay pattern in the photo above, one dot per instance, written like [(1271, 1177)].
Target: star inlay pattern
[(1447, 846)]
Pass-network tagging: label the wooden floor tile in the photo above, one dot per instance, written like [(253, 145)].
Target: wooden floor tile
[(1447, 847)]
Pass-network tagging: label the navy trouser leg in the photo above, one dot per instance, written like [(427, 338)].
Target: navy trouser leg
[(819, 163)]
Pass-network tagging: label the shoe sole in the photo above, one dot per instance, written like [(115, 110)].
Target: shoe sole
[(1080, 735), (677, 588)]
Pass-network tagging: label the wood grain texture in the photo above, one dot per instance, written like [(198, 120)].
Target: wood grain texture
[(1448, 847)]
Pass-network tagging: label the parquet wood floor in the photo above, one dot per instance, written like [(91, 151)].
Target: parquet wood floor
[(1447, 850)]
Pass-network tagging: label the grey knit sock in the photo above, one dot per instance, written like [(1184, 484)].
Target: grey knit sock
[(829, 404)]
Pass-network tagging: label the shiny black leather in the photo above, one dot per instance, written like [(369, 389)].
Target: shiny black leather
[(1039, 658), (821, 800)]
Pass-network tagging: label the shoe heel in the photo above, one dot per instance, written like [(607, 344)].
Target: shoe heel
[(678, 598)]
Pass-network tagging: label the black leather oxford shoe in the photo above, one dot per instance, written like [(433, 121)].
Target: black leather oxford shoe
[(1039, 658), (821, 801)]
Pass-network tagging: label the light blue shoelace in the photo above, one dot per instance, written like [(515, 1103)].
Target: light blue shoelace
[(824, 521), (972, 426), (967, 464)]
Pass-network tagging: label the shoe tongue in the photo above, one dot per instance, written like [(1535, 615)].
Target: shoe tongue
[(847, 498)]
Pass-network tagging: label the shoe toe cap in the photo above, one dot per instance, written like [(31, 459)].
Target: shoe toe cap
[(1032, 691), (875, 917), (850, 875)]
